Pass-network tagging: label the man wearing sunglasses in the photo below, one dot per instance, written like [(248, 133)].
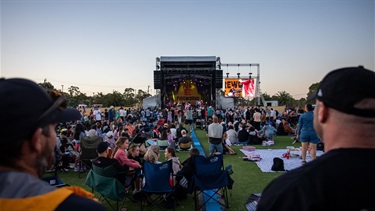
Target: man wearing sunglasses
[(27, 141)]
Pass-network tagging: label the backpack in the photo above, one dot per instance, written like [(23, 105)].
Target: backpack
[(320, 146), (278, 164)]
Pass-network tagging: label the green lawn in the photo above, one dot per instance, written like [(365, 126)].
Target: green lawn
[(247, 176)]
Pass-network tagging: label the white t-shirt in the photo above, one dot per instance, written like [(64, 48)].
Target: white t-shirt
[(173, 132), (122, 112), (98, 115), (227, 142)]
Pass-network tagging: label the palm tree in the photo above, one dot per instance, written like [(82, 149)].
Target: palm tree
[(284, 98)]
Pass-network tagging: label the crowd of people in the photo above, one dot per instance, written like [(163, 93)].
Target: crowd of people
[(128, 137)]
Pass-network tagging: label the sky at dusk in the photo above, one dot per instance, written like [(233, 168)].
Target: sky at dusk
[(102, 46)]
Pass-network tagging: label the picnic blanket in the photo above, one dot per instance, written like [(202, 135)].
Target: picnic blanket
[(267, 156)]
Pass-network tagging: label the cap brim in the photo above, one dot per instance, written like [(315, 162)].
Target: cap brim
[(69, 114), (311, 97)]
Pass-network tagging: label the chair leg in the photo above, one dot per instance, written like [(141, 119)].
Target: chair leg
[(196, 200)]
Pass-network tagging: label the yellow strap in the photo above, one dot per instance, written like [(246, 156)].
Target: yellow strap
[(48, 201)]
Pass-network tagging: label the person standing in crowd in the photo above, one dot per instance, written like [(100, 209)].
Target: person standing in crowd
[(111, 114), (28, 153), (98, 114), (106, 115), (344, 118), (210, 112), (215, 134), (122, 113), (257, 119), (189, 118), (306, 133)]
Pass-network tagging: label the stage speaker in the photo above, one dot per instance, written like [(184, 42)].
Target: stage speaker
[(157, 79), (219, 79)]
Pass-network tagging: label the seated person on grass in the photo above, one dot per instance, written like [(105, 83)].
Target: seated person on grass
[(243, 135), (103, 161), (120, 154), (68, 155), (254, 139), (134, 154), (227, 145), (188, 166), (185, 141), (268, 131), (287, 127)]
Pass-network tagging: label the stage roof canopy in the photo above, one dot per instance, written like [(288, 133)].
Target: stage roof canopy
[(188, 59)]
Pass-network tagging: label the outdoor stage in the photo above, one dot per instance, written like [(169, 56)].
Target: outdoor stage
[(188, 79)]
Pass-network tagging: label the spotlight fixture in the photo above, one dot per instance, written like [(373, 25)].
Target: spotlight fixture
[(227, 75), (238, 75)]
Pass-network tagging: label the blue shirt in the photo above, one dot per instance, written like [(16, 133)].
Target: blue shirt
[(306, 122)]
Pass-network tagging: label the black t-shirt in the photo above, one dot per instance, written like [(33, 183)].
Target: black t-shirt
[(66, 147), (341, 179), (138, 158), (247, 114), (184, 140), (243, 135)]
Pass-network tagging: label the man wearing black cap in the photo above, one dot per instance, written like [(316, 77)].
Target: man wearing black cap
[(342, 178), (103, 161), (28, 152)]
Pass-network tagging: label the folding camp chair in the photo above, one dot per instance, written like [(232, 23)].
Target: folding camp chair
[(52, 174), (104, 181), (53, 179), (211, 181), (88, 152), (158, 185), (162, 144)]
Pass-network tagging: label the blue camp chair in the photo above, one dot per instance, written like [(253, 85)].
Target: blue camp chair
[(158, 188), (211, 181)]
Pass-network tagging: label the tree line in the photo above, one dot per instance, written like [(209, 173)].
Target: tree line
[(130, 97)]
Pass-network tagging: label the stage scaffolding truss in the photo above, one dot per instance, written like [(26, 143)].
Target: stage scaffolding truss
[(193, 78)]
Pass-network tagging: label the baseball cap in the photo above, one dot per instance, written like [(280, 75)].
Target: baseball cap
[(29, 106), (347, 89), (102, 147)]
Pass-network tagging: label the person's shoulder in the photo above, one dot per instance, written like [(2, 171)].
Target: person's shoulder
[(76, 202)]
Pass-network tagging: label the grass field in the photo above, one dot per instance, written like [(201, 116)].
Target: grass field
[(247, 176)]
